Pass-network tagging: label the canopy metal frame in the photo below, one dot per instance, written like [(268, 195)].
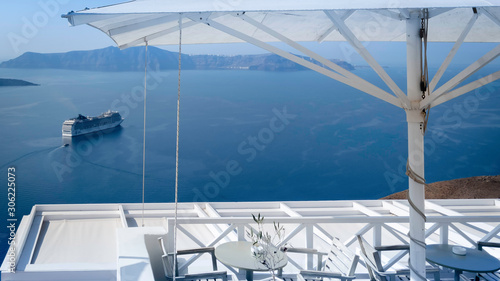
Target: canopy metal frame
[(414, 102)]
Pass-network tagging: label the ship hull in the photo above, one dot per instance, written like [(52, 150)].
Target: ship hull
[(77, 127)]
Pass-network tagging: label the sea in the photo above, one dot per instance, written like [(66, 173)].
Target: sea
[(243, 136)]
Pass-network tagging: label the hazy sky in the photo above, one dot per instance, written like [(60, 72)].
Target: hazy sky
[(37, 26)]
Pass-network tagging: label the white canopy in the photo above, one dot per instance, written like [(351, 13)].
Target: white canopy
[(297, 20)]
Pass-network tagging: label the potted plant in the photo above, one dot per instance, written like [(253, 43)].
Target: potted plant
[(266, 247)]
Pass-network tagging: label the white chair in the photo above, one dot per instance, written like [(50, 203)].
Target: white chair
[(372, 257), (340, 262), (168, 264), (490, 276)]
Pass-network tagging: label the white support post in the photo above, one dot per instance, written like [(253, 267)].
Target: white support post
[(443, 234), (377, 235), (170, 241), (309, 244), (241, 237), (241, 232), (415, 149)]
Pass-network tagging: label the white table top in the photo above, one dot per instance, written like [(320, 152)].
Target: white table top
[(238, 254), (473, 261)]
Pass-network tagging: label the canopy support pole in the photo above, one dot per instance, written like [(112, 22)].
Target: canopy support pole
[(491, 16), (415, 121), (344, 17), (346, 73), (374, 91), (462, 76), (358, 46), (143, 24), (158, 34), (467, 88), (452, 53)]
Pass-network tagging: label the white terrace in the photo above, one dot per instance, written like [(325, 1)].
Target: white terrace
[(261, 22), (108, 242)]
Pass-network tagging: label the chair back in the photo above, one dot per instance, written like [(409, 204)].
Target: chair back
[(341, 259), (168, 260), (372, 259), (370, 252)]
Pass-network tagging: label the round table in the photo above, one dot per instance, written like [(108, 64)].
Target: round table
[(238, 254), (473, 261)]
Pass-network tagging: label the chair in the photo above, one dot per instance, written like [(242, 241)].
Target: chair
[(377, 271), (490, 276), (168, 264), (340, 263)]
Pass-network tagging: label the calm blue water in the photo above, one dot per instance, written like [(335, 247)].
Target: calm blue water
[(245, 136)]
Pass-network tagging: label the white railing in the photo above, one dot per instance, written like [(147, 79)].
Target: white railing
[(312, 224), (462, 230)]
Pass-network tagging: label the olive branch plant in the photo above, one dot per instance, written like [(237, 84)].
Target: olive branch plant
[(266, 246)]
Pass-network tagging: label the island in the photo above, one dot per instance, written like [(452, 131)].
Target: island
[(132, 59), (15, 82)]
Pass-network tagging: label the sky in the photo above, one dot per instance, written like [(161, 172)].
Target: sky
[(37, 26)]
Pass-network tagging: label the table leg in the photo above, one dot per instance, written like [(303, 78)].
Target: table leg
[(249, 275), (457, 274)]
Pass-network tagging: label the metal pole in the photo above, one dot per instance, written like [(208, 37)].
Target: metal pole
[(415, 120)]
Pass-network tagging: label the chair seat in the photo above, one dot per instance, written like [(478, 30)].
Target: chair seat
[(490, 276), (321, 274), (210, 275)]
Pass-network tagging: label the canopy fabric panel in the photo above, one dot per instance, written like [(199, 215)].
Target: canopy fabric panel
[(155, 21), (190, 6)]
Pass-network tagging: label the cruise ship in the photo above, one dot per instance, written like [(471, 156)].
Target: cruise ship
[(83, 124)]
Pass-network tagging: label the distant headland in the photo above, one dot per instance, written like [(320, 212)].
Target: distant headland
[(132, 59), (15, 82), (465, 188)]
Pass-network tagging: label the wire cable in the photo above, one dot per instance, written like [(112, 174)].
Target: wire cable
[(144, 131), (177, 146)]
